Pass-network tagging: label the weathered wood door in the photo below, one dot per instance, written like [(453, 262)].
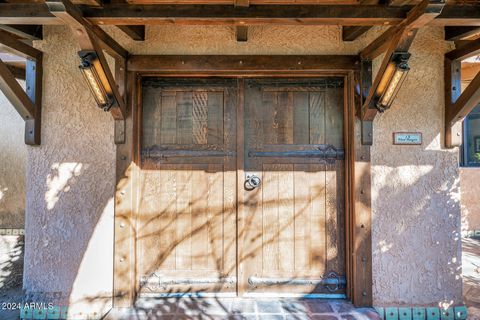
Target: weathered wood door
[(293, 222), (186, 223), (290, 229)]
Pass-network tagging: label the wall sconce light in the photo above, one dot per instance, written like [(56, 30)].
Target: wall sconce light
[(95, 77), (392, 80)]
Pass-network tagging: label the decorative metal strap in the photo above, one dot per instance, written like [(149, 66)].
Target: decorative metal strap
[(164, 154), (323, 152), (164, 282), (332, 281)]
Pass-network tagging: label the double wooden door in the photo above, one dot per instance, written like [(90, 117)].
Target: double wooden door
[(241, 194)]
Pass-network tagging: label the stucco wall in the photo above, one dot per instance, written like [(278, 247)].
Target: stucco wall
[(415, 190), (469, 178), (416, 219), (13, 154)]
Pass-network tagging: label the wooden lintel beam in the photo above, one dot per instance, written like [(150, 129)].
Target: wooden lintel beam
[(470, 49), (18, 47), (15, 93), (31, 32), (419, 16), (129, 14), (137, 33), (73, 17), (460, 33)]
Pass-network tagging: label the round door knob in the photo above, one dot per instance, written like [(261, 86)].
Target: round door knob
[(252, 182)]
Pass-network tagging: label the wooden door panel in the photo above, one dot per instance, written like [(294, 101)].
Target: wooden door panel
[(294, 221), (186, 222)]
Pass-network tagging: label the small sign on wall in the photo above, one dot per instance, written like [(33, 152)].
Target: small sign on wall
[(407, 138)]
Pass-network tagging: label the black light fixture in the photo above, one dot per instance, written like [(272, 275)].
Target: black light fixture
[(96, 79), (392, 80)]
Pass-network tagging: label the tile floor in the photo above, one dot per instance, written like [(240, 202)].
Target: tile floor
[(249, 309), (471, 276)]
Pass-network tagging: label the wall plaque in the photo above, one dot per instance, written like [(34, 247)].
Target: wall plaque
[(407, 138)]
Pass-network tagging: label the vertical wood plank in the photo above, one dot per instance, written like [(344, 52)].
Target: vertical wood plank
[(317, 120), (168, 204), (301, 118), (168, 125), (270, 117), (184, 219), (302, 223), (184, 117), (316, 182), (216, 214), (200, 110), (200, 221), (286, 218), (285, 117), (215, 118), (270, 218)]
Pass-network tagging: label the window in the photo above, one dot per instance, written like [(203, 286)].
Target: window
[(471, 139)]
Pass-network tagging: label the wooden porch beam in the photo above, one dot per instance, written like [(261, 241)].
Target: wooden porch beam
[(17, 72), (137, 33), (89, 38), (419, 16), (18, 47), (470, 49), (466, 102), (28, 103), (127, 14), (459, 33), (73, 17), (15, 93), (30, 32), (352, 33)]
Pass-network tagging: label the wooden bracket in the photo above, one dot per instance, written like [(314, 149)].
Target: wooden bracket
[(91, 37), (28, 103), (396, 39), (459, 104)]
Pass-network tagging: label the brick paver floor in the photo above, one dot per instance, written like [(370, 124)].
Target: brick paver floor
[(249, 309), (471, 276)]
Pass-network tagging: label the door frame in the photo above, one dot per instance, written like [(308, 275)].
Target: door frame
[(358, 242)]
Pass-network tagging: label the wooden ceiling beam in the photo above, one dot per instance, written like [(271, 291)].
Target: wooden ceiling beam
[(84, 29), (417, 17), (137, 33), (126, 14), (469, 49), (30, 32), (241, 33), (90, 38), (18, 47), (460, 33), (352, 33)]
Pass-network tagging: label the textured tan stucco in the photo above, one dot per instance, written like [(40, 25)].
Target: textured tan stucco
[(13, 154), (416, 214), (470, 187), (415, 190)]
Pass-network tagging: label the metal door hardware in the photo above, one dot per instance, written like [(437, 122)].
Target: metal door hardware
[(252, 182), (332, 282), (323, 152)]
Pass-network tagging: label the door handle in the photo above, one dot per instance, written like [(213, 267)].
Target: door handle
[(252, 182)]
